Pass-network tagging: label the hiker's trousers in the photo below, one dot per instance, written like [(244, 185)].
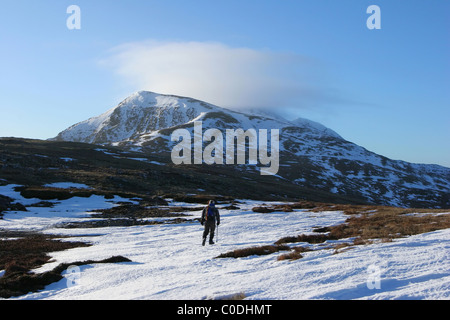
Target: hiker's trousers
[(210, 227)]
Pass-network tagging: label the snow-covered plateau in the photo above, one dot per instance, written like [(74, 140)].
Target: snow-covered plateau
[(169, 262)]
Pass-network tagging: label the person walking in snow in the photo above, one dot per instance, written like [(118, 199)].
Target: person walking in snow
[(210, 216)]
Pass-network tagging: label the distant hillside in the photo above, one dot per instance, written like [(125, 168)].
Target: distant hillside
[(111, 170)]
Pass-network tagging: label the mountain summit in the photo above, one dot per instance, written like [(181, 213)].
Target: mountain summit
[(146, 112), (141, 113), (311, 155)]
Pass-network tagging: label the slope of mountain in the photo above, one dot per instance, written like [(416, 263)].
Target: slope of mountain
[(108, 171), (311, 155), (141, 113)]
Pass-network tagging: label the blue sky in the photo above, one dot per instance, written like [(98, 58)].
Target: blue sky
[(386, 90)]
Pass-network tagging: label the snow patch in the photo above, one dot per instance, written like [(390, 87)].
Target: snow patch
[(67, 185)]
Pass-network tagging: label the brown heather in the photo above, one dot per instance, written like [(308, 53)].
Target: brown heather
[(365, 224)]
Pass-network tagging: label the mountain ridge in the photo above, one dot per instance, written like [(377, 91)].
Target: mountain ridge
[(143, 105)]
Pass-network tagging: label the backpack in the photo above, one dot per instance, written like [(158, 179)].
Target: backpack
[(210, 212)]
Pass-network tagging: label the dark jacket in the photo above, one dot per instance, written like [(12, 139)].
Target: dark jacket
[(215, 217)]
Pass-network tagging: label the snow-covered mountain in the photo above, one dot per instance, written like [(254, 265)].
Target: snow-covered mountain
[(311, 154), (141, 113), (144, 113)]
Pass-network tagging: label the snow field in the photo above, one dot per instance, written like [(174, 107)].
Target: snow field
[(168, 261)]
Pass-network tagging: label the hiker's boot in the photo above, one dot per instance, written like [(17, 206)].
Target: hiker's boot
[(210, 241), (204, 241)]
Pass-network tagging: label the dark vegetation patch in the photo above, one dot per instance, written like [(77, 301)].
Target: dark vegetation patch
[(309, 238), (104, 223), (20, 252), (229, 297), (279, 207), (287, 207), (296, 253), (6, 204), (135, 211), (21, 283), (42, 204), (128, 214), (375, 222), (50, 193), (259, 251), (200, 198), (389, 223), (262, 209), (221, 116)]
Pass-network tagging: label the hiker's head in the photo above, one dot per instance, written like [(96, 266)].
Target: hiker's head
[(211, 203)]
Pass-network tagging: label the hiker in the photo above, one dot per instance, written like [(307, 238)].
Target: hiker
[(210, 216)]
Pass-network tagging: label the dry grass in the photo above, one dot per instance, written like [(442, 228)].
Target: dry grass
[(135, 211), (259, 251), (365, 224), (229, 297), (376, 222), (390, 223), (27, 251), (22, 282), (314, 238), (295, 254), (341, 247), (263, 209)]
